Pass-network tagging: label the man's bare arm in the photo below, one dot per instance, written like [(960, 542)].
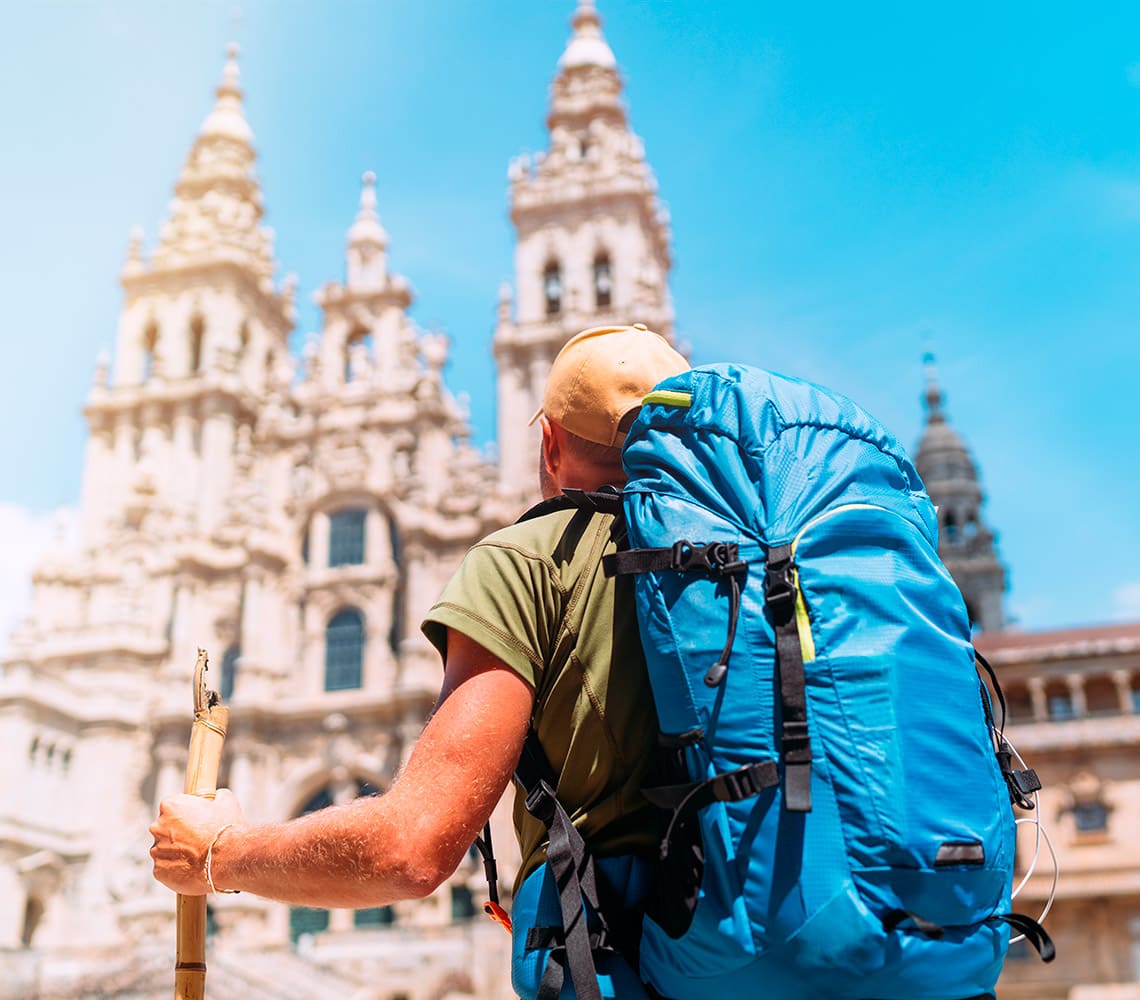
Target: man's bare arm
[(377, 850)]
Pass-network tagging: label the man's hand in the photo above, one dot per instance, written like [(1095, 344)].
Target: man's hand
[(183, 832)]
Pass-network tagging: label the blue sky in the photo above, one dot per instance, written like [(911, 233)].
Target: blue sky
[(848, 184)]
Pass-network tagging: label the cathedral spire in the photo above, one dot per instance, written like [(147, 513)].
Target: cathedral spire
[(587, 47), (592, 237), (217, 208), (965, 543), (933, 394), (588, 84), (367, 256)]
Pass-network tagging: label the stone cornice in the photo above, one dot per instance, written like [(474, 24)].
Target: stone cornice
[(274, 308)]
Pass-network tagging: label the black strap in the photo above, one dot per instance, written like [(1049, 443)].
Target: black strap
[(979, 659), (1034, 933), (795, 743), (682, 556), (892, 919), (687, 798), (607, 500), (572, 868), (490, 868)]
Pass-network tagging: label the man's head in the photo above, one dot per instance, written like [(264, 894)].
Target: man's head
[(596, 385)]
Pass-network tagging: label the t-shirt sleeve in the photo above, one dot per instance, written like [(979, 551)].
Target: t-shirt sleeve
[(507, 600)]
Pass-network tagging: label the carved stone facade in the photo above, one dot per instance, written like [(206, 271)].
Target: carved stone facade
[(295, 518)]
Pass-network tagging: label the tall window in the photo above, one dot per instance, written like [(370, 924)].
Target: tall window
[(396, 634), (552, 288), (197, 333), (229, 672), (346, 537), (603, 281), (150, 349), (344, 650)]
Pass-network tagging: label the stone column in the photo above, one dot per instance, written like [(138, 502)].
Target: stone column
[(1123, 681), (13, 900), (319, 542), (171, 776), (1037, 699), (184, 472), (98, 479), (1076, 684), (386, 341), (123, 463), (218, 438)]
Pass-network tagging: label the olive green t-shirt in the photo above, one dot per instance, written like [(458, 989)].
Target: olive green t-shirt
[(534, 594)]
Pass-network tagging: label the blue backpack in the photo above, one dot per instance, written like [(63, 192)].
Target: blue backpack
[(835, 795)]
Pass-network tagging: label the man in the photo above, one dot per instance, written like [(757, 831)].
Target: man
[(530, 631)]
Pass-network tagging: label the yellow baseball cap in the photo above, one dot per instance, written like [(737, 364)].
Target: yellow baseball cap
[(601, 375)]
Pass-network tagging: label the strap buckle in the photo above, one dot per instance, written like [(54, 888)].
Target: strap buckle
[(540, 803), (796, 743), (780, 587), (737, 785), (713, 557)]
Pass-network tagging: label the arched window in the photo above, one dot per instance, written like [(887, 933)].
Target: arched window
[(149, 349), (950, 526), (552, 288), (346, 537), (229, 672), (197, 335), (1101, 696), (358, 338), (344, 650), (603, 281), (1059, 699)]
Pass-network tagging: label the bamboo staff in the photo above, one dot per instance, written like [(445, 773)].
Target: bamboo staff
[(206, 738)]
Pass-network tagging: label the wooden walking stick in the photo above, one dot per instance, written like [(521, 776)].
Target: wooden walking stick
[(206, 738)]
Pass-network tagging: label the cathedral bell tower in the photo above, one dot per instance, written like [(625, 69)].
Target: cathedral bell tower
[(592, 240), (967, 546), (201, 331)]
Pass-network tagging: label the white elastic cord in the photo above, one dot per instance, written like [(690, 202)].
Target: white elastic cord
[(1040, 833)]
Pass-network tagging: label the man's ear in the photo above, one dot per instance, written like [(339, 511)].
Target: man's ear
[(551, 446)]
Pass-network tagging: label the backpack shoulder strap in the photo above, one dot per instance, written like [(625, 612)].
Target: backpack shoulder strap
[(607, 500), (572, 867)]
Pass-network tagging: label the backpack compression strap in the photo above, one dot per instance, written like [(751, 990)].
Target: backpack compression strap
[(795, 741), (716, 558)]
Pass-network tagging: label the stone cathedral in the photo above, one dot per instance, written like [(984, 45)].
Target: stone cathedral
[(297, 516)]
